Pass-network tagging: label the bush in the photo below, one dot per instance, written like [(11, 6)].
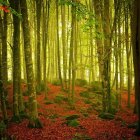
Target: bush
[(80, 82)]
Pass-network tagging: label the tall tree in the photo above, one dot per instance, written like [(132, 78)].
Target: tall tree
[(38, 63), (4, 49), (58, 45), (17, 95), (106, 58), (33, 112)]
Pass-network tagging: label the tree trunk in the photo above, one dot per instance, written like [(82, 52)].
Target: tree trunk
[(4, 50), (135, 29), (33, 112)]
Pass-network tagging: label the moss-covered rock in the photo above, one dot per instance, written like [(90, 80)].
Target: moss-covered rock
[(106, 116)]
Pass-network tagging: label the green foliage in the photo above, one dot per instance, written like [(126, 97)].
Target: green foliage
[(85, 94), (82, 12), (59, 98), (56, 82), (107, 116), (6, 3), (96, 86), (72, 117), (80, 82), (73, 123)]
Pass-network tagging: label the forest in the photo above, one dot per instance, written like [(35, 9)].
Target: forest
[(69, 69)]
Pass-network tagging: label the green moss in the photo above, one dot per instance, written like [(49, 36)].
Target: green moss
[(72, 117), (73, 123), (58, 99), (107, 116)]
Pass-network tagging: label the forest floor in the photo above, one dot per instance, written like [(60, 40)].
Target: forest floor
[(55, 111)]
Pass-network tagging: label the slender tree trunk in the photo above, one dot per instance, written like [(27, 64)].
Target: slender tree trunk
[(128, 52), (58, 45), (64, 44)]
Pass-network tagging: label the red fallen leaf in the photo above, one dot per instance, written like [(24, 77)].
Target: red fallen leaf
[(5, 9)]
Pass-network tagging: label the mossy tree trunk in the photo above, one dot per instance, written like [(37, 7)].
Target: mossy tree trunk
[(106, 59), (38, 47), (16, 63), (33, 112), (4, 50)]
